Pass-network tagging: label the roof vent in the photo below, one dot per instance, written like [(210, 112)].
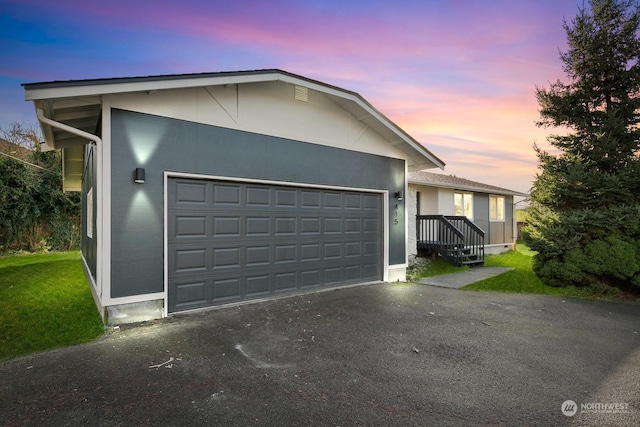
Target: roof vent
[(302, 94)]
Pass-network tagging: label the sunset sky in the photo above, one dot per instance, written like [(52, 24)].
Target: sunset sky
[(459, 76)]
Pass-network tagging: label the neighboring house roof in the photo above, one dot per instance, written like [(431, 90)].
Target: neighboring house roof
[(78, 103), (452, 181)]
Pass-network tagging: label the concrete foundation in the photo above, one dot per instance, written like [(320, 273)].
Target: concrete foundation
[(134, 312)]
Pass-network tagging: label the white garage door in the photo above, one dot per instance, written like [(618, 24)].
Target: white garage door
[(232, 241)]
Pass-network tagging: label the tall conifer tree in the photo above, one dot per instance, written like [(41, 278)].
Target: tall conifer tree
[(585, 211)]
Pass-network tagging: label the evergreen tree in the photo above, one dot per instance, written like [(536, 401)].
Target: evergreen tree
[(585, 214)]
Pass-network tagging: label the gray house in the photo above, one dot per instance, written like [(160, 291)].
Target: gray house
[(441, 202), (207, 189)]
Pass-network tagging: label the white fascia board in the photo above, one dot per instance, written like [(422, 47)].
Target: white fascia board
[(467, 188), (104, 88)]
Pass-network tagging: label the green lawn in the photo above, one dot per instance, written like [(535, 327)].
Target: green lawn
[(45, 303), (522, 279)]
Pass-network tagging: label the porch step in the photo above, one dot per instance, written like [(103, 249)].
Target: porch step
[(454, 238), (473, 262)]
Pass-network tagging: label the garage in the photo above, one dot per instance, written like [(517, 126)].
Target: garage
[(200, 190), (230, 241)]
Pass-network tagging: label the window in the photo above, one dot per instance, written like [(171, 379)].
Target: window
[(90, 213), (496, 208), (463, 204)]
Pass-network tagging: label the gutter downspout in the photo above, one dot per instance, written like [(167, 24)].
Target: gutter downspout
[(97, 292), (62, 126)]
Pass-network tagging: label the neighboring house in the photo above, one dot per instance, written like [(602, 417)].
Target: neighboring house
[(490, 208), (216, 188)]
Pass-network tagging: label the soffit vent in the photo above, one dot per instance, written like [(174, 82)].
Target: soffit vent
[(302, 94)]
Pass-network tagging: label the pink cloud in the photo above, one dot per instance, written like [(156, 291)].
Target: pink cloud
[(459, 76)]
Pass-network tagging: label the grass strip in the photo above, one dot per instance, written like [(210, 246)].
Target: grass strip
[(45, 303), (522, 279)]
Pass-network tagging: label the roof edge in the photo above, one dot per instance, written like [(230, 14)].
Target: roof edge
[(102, 86), (469, 186)]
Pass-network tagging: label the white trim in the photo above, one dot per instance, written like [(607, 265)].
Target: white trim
[(385, 236), (171, 174), (405, 265), (467, 188), (406, 214), (103, 178), (92, 285), (106, 302), (165, 245), (106, 87)]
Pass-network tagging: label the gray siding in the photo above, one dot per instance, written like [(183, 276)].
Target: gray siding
[(89, 245), (481, 213), (496, 232), (508, 220), (160, 144)]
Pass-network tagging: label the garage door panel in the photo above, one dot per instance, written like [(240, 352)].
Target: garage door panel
[(285, 226), (310, 252), (333, 275), (371, 202), (226, 289), (226, 226), (190, 226), (333, 200), (258, 226), (285, 254), (190, 260), (333, 225), (258, 255), (226, 258), (189, 295), (285, 281), (353, 201), (258, 285), (226, 195), (310, 225), (190, 193), (309, 278), (234, 241), (286, 198), (310, 199)]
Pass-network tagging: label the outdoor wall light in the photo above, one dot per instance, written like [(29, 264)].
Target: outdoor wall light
[(400, 195), (138, 176)]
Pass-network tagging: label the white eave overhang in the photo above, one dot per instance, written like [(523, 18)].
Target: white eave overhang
[(78, 104), (466, 187)]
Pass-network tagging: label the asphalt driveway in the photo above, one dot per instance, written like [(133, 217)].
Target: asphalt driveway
[(370, 355)]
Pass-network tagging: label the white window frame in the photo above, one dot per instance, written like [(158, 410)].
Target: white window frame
[(89, 211), (497, 208), (467, 204)]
